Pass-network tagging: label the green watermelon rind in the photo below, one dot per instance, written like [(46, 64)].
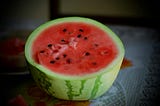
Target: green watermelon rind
[(37, 31), (84, 89)]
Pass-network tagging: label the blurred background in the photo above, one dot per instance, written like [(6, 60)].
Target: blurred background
[(28, 14)]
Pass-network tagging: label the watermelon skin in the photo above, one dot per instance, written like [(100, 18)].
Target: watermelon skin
[(68, 87), (75, 89)]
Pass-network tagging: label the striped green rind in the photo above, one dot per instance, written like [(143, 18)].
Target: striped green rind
[(70, 93), (89, 88), (70, 87), (97, 84)]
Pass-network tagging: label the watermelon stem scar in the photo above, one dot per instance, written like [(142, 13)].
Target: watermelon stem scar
[(79, 57)]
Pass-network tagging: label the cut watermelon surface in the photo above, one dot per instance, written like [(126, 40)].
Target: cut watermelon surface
[(74, 58), (74, 48)]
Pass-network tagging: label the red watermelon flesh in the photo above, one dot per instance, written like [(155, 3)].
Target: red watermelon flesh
[(74, 48)]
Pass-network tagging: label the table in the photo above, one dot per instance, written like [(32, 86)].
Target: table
[(141, 81)]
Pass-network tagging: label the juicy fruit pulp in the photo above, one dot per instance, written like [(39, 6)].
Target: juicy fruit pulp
[(74, 48)]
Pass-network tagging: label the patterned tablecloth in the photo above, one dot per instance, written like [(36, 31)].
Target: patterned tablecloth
[(141, 81)]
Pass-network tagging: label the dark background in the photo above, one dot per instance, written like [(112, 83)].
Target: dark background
[(132, 12)]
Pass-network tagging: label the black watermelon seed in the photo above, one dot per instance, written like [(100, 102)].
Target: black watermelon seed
[(85, 38), (68, 61), (52, 61), (64, 55), (94, 63), (64, 30), (87, 54), (96, 45), (42, 51), (49, 45), (79, 35), (63, 40), (81, 30), (57, 58)]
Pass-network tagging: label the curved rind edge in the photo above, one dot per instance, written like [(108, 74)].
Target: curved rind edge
[(89, 88)]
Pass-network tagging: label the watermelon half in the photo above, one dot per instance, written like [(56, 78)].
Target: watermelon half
[(74, 58)]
